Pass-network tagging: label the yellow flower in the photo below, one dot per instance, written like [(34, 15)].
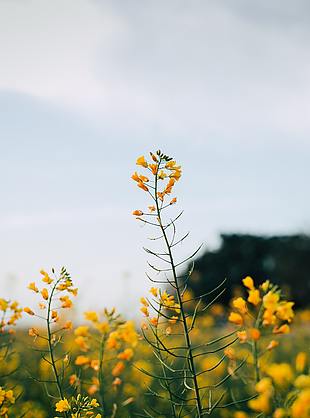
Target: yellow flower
[(264, 385), (144, 179), (54, 316), (302, 382), (2, 395), (91, 316), (66, 302), (162, 175), (172, 201), (82, 343), (81, 331), (240, 414), (116, 382), (33, 287), (73, 379), (230, 353), (74, 292), (62, 406), (235, 318), (28, 311), (265, 286), (283, 329), (44, 293), (279, 413), (254, 297), (46, 278), (152, 208), (268, 317), (137, 213), (102, 327), (242, 335), (285, 311), (118, 369), (170, 164), (301, 361), (67, 325), (82, 361), (240, 304), (176, 174), (272, 345), (142, 186), (154, 291), (154, 321), (270, 301), (168, 188), (255, 334), (135, 176), (95, 365), (260, 404), (281, 373), (3, 305), (145, 311), (144, 302), (248, 282), (141, 161), (127, 354), (33, 332), (9, 395), (301, 406), (94, 403), (153, 167)]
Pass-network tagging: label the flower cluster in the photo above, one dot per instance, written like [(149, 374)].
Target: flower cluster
[(283, 392), (264, 309), (10, 312), (79, 407), (6, 400), (53, 293), (107, 344), (164, 305), (162, 169)]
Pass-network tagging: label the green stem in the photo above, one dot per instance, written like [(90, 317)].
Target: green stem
[(185, 328), (50, 345), (101, 377), (255, 360), (167, 383)]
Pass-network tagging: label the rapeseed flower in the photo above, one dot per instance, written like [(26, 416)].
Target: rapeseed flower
[(248, 282), (235, 318), (141, 161), (62, 405), (281, 373), (32, 286), (240, 305)]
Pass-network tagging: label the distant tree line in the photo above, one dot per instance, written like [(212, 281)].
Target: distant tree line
[(284, 260)]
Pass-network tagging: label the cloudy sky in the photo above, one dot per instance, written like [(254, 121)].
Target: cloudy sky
[(88, 85)]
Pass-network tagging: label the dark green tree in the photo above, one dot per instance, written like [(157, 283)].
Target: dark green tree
[(285, 260)]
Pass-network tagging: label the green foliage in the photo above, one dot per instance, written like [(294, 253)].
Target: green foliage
[(284, 259)]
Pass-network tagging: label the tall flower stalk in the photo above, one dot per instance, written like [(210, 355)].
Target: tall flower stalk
[(53, 299), (107, 346), (181, 374)]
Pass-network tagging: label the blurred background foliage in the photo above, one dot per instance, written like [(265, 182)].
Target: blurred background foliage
[(283, 259)]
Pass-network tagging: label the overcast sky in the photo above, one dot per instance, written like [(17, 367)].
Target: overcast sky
[(87, 85)]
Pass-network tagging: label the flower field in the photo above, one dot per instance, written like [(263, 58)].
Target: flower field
[(188, 356)]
